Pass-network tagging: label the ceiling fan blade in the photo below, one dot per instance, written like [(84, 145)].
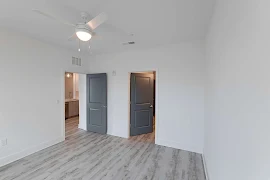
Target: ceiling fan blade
[(98, 20), (72, 37), (53, 17)]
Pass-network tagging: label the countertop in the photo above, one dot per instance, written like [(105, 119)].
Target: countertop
[(71, 100)]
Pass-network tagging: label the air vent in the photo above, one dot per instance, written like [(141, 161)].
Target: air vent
[(128, 43), (76, 61)]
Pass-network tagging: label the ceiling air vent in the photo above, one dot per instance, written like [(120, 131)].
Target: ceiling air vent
[(128, 43), (76, 61)]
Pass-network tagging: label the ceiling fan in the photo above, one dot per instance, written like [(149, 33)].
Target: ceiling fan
[(85, 30)]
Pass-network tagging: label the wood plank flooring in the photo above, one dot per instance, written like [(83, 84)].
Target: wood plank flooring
[(90, 156)]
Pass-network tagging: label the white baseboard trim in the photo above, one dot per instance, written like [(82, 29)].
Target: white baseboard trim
[(117, 135), (205, 167), (176, 145), (80, 127), (26, 152)]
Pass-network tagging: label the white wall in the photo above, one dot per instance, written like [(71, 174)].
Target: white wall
[(237, 127), (32, 81), (180, 81), (82, 101)]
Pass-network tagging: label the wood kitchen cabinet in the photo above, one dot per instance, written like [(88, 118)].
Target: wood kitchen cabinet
[(73, 108)]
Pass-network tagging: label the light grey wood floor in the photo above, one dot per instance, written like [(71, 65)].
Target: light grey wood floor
[(90, 156)]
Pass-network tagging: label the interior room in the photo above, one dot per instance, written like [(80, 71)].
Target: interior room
[(160, 90)]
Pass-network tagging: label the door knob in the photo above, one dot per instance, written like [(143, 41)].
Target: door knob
[(104, 106), (151, 106)]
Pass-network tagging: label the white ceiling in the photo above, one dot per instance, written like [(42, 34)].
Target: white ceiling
[(153, 22)]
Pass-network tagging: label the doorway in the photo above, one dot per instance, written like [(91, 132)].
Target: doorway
[(142, 104), (72, 101), (84, 103)]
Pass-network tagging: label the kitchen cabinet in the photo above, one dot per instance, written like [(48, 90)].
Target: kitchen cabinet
[(73, 108)]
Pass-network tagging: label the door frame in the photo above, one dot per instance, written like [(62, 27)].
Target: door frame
[(62, 101), (156, 99)]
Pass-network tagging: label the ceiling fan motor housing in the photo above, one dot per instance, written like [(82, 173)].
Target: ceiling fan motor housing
[(83, 27)]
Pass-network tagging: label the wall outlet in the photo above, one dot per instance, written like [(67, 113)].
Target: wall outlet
[(3, 142)]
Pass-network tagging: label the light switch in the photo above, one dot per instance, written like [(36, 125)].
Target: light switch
[(114, 73), (3, 142)]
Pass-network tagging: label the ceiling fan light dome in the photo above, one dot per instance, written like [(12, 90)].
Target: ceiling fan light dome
[(83, 35)]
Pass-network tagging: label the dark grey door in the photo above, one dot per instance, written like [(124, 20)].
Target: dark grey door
[(141, 117), (97, 103)]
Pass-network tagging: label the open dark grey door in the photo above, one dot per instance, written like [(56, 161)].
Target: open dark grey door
[(141, 117), (97, 103)]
